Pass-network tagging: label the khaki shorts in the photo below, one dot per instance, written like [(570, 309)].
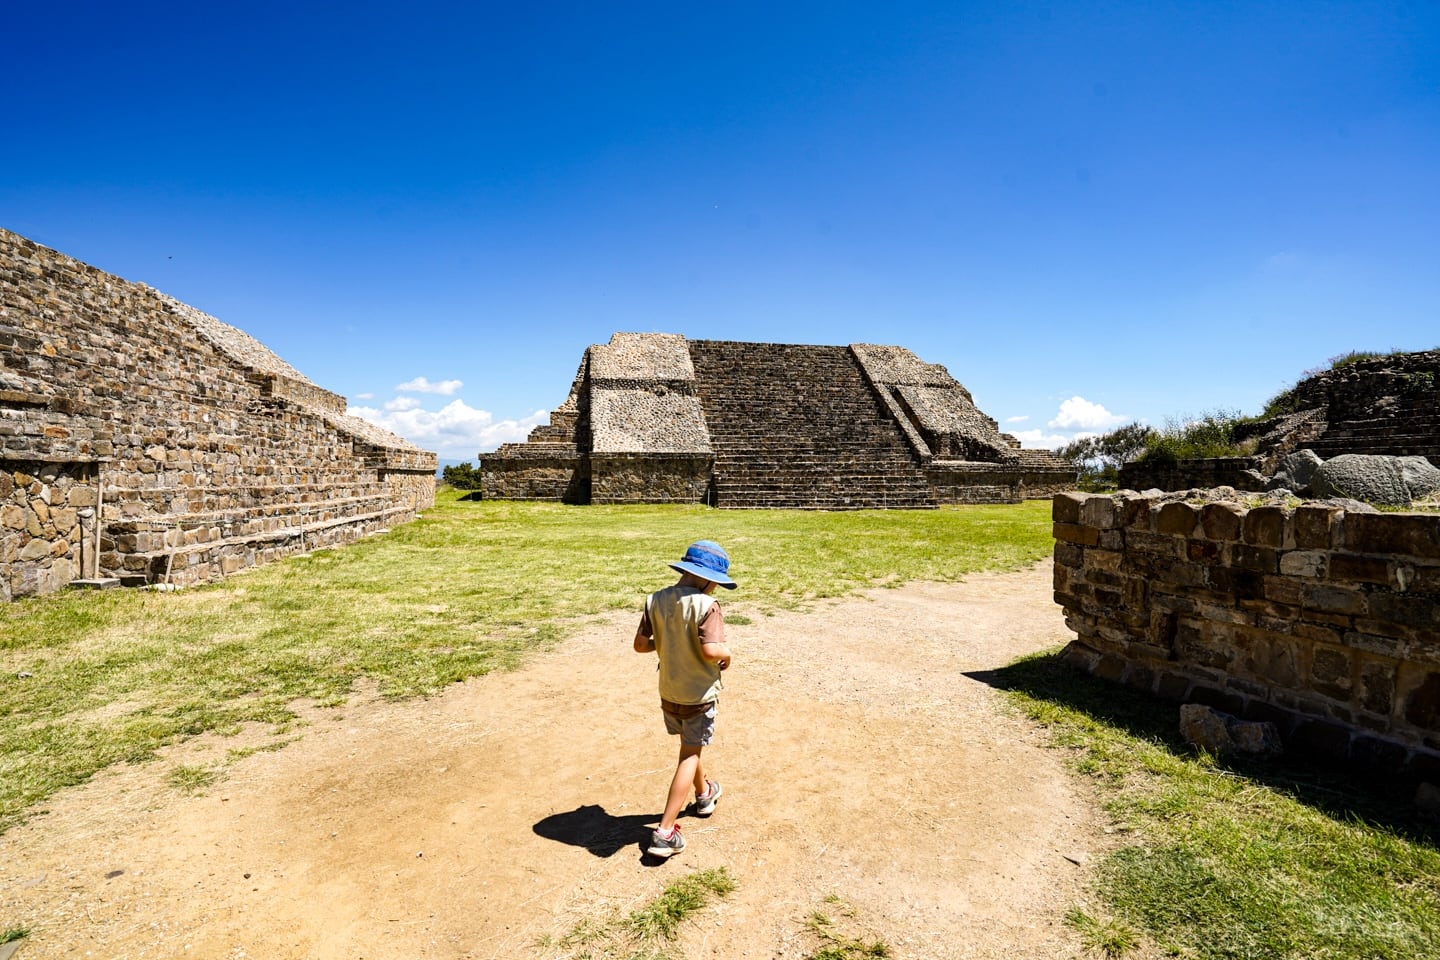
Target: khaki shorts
[(694, 722)]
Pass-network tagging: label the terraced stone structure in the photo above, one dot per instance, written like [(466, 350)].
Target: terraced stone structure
[(1381, 405), (656, 418), (145, 441)]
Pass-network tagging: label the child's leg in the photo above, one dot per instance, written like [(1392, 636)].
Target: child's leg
[(689, 773)]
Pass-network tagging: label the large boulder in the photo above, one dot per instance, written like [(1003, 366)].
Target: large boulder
[(1297, 471), (1391, 481)]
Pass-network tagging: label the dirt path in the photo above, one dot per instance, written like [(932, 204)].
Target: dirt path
[(858, 761)]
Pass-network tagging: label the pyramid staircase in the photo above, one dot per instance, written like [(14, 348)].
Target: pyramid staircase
[(799, 427), (1412, 428)]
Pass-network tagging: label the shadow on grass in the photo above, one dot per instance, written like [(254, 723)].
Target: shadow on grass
[(1339, 794), (591, 827)]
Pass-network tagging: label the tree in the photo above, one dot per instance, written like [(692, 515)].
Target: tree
[(1098, 458), (461, 476)]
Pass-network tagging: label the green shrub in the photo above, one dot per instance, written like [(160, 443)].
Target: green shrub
[(1208, 435), (461, 476)]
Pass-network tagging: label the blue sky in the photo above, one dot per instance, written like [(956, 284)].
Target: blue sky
[(1088, 212)]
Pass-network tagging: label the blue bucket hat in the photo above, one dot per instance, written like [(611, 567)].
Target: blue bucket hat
[(707, 560)]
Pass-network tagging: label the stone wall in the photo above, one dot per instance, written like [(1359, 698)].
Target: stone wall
[(1321, 619), (1239, 473), (650, 478), (197, 448), (47, 526)]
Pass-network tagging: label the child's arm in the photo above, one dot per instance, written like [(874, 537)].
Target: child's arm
[(716, 653), (713, 648), (644, 634)]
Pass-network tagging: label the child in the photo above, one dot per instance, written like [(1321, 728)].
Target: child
[(683, 624)]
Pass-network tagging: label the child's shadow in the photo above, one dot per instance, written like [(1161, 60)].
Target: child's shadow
[(591, 827)]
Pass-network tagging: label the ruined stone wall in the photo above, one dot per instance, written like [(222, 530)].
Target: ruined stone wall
[(1322, 620), (1236, 472), (650, 478), (193, 432)]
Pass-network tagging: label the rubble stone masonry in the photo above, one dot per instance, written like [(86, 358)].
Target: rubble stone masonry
[(144, 440), (1322, 620)]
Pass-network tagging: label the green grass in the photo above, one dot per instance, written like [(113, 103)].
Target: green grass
[(648, 932), (89, 679), (14, 933), (192, 780), (661, 918), (1230, 863), (837, 945)]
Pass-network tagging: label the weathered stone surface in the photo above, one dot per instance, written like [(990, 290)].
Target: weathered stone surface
[(174, 420), (1297, 471), (1332, 631), (1387, 480), (1219, 733)]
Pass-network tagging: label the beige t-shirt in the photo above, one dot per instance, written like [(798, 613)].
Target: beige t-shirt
[(680, 619)]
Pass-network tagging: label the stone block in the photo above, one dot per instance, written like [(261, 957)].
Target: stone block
[(1077, 534), (1265, 527), (1203, 551), (1374, 643), (1065, 508), (1176, 519), (1419, 698), (1402, 534), (1328, 598), (1134, 510), (1421, 613), (1352, 567), (1068, 554), (1330, 669), (1376, 691), (1222, 521), (14, 517), (1154, 544), (1098, 512), (1304, 563), (35, 549), (1172, 686), (1258, 559), (1313, 525), (1109, 561)]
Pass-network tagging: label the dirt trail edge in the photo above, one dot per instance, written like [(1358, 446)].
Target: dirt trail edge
[(859, 762)]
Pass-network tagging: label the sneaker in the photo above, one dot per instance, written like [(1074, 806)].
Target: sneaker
[(704, 806), (660, 846)]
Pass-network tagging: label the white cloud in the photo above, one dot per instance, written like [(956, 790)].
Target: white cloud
[(1038, 439), (422, 385), (1077, 413), (1017, 419), (456, 430), (364, 396), (400, 404)]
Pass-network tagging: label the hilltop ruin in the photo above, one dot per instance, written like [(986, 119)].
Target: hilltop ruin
[(657, 418), (1380, 405), (144, 441)]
